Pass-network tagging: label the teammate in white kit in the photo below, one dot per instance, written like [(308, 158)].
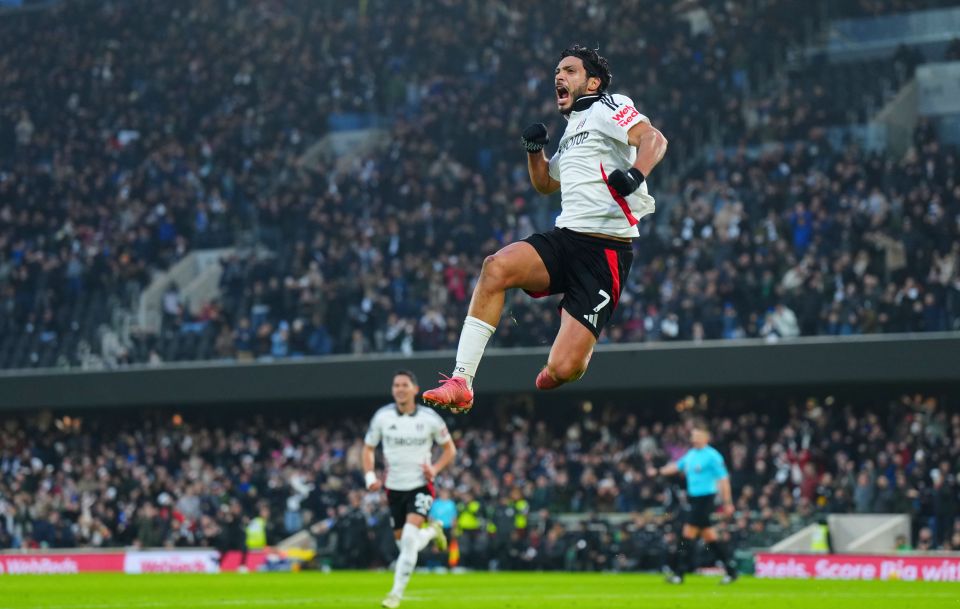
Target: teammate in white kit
[(600, 167), (408, 433)]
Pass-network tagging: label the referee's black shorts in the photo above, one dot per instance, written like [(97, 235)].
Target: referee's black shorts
[(701, 508), (589, 271)]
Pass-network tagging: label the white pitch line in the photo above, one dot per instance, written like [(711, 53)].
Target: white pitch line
[(703, 594), (424, 595)]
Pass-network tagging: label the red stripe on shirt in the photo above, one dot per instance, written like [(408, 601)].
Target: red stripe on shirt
[(624, 206), (613, 261)]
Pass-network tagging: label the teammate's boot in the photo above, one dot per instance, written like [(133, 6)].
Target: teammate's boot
[(441, 538), (675, 579), (391, 602), (546, 382), (452, 394), (729, 579)]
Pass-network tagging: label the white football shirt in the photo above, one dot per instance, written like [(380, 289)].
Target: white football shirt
[(407, 443), (593, 146)]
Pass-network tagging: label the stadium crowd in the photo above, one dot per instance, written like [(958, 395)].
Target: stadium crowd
[(132, 133), (177, 480), (796, 240)]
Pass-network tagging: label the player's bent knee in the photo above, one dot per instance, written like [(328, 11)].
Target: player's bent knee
[(567, 371), (493, 271), (497, 273)]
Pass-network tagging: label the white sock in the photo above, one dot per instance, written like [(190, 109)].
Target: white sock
[(424, 537), (473, 340), (407, 561)]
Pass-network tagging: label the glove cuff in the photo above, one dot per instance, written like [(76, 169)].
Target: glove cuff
[(531, 147), (637, 175)]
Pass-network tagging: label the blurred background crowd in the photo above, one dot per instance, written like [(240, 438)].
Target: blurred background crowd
[(133, 133), (528, 490)]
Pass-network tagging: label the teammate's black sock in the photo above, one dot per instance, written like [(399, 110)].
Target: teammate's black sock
[(683, 556), (720, 550)]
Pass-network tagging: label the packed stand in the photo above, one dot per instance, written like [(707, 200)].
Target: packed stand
[(798, 240), (401, 282), (817, 94), (129, 133), (134, 132), (181, 481), (816, 91), (805, 240)]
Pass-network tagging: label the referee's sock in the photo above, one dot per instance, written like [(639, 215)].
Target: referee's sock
[(683, 556), (720, 550)]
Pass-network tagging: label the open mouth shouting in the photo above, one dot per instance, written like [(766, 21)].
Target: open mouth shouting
[(563, 95)]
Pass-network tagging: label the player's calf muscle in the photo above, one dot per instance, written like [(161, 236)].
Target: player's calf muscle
[(486, 303)]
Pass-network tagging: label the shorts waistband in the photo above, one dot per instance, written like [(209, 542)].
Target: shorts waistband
[(599, 241)]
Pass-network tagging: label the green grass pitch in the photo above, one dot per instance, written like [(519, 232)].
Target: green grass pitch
[(365, 590)]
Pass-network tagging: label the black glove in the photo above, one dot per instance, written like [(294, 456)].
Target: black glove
[(535, 137), (625, 182)]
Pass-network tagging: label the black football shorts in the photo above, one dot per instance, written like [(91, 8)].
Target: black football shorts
[(416, 501), (588, 271)]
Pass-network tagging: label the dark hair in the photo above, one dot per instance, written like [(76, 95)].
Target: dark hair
[(593, 62), (408, 374), (701, 425)]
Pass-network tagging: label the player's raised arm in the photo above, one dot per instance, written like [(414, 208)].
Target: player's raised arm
[(534, 139), (651, 145)]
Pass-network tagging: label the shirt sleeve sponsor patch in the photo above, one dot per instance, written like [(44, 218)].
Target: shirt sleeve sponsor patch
[(625, 115)]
